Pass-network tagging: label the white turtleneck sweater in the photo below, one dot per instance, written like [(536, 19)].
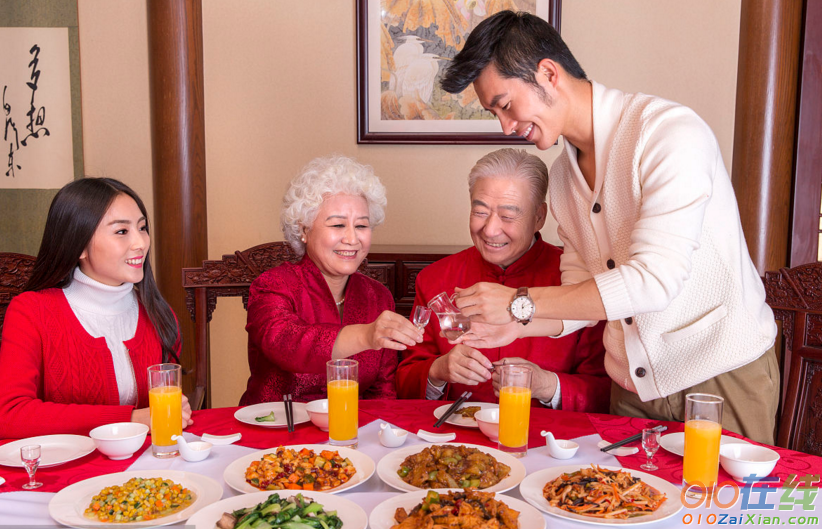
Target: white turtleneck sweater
[(111, 313)]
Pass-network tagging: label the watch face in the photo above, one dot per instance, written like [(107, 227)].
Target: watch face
[(522, 308)]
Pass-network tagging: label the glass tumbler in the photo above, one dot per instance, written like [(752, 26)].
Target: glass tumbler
[(165, 400), (514, 408), (343, 402), (703, 430)]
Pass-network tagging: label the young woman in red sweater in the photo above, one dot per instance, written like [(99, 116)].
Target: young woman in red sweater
[(77, 342)]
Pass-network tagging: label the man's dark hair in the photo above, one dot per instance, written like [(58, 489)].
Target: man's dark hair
[(514, 43)]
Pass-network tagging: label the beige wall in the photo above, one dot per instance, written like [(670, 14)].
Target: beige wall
[(280, 82)]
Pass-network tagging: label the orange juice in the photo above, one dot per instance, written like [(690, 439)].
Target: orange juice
[(514, 413), (166, 405), (701, 461), (343, 399)]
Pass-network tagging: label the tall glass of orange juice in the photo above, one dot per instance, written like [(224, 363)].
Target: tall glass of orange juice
[(165, 401), (343, 401), (703, 430), (514, 408)]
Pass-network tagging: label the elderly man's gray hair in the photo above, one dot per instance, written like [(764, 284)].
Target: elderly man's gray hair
[(513, 163), (324, 177)]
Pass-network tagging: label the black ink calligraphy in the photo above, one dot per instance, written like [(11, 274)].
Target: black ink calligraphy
[(14, 145), (37, 116)]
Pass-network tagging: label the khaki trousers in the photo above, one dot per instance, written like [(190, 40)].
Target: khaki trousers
[(751, 395)]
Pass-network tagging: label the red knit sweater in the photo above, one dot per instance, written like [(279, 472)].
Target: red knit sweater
[(58, 379)]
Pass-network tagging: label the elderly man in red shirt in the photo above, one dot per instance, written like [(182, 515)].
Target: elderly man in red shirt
[(508, 189)]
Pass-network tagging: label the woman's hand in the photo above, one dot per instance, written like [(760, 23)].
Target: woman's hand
[(486, 302), (143, 415), (461, 365), (186, 413), (487, 336), (543, 382), (390, 331)]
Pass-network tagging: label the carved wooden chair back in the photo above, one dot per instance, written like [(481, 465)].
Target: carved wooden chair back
[(795, 295), (229, 277), (15, 271)]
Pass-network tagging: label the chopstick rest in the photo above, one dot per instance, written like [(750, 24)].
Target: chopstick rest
[(221, 439), (436, 437), (454, 407), (619, 451)]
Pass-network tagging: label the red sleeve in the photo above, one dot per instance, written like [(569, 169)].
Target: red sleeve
[(383, 387), (274, 327), (22, 412), (588, 388), (412, 372)]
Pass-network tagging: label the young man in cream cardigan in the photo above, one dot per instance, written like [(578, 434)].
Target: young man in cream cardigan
[(650, 224)]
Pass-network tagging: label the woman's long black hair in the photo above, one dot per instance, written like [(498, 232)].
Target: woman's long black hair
[(73, 217)]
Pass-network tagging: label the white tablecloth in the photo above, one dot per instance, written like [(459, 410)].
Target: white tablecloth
[(31, 508)]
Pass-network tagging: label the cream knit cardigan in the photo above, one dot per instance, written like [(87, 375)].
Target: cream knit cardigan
[(684, 300)]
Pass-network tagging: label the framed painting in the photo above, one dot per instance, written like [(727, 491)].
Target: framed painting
[(403, 47)]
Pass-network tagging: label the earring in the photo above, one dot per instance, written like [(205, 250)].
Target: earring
[(303, 239)]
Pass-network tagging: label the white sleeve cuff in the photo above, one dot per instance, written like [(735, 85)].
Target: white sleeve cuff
[(433, 392), (571, 326), (556, 400), (614, 295)]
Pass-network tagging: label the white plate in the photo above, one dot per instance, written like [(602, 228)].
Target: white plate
[(531, 491), (249, 413), (388, 466), (382, 517), (68, 505), (234, 473), (459, 420), (54, 449), (675, 442), (351, 514)]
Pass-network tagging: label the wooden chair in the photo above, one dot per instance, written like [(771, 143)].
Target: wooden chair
[(15, 271), (795, 295)]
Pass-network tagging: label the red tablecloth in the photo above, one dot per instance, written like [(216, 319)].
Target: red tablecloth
[(411, 415), (613, 428)]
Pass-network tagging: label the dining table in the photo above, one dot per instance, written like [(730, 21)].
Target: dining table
[(779, 499)]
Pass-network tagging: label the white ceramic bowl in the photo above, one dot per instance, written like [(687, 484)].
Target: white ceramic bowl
[(318, 413), (119, 440), (741, 460), (488, 422)]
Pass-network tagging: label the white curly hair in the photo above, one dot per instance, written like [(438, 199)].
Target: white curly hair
[(324, 177)]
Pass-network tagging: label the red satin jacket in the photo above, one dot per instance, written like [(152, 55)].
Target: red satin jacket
[(292, 325)]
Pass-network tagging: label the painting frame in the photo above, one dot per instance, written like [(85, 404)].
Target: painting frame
[(375, 131)]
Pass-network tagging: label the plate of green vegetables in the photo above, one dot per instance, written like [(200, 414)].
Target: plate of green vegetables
[(281, 510)]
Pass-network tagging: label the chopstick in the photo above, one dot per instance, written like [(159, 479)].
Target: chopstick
[(631, 439), (289, 412), (459, 402)]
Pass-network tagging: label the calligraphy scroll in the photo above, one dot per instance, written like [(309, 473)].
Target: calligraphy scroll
[(35, 109)]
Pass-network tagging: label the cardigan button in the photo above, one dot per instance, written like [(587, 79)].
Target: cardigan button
[(611, 264), (640, 372), (597, 208), (629, 320)]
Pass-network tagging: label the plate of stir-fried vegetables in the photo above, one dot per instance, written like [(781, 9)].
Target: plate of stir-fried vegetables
[(455, 509), (450, 465), (321, 468), (601, 494), (134, 498), (281, 510)]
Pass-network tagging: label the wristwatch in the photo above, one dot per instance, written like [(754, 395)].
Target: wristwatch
[(522, 307)]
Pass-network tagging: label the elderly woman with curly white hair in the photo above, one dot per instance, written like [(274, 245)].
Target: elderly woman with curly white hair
[(302, 315)]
